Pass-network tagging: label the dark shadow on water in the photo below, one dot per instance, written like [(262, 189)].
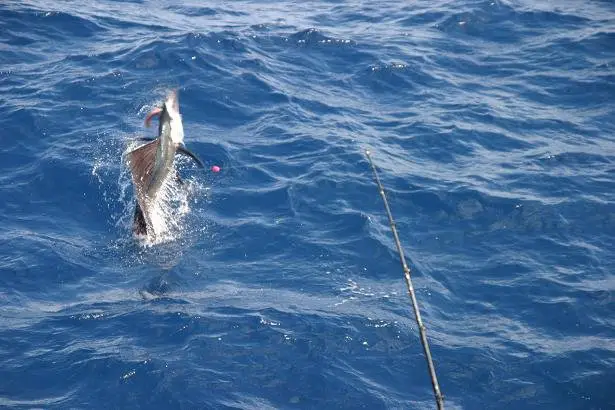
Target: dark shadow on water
[(160, 286)]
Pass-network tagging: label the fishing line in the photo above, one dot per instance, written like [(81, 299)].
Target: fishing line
[(415, 306), (229, 164)]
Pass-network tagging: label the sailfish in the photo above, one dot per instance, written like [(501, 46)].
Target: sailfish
[(152, 163)]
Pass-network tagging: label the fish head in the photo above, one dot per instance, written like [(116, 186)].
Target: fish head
[(171, 104), (171, 125)]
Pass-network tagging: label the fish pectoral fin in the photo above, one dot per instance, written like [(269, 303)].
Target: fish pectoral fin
[(182, 149)]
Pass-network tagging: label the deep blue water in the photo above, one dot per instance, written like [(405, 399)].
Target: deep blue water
[(493, 126)]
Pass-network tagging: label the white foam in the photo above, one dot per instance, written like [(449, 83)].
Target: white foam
[(166, 212), (172, 204)]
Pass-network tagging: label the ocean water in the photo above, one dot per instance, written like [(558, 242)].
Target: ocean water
[(492, 124)]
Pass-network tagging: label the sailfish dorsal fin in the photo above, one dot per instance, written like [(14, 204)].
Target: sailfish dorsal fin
[(141, 162)]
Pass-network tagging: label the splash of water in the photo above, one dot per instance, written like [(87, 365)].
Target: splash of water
[(167, 211)]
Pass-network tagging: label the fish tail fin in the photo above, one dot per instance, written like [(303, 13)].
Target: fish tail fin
[(139, 226)]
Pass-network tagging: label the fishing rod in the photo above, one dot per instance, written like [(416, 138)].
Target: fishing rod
[(415, 305)]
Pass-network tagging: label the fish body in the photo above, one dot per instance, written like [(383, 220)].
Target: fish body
[(151, 163)]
